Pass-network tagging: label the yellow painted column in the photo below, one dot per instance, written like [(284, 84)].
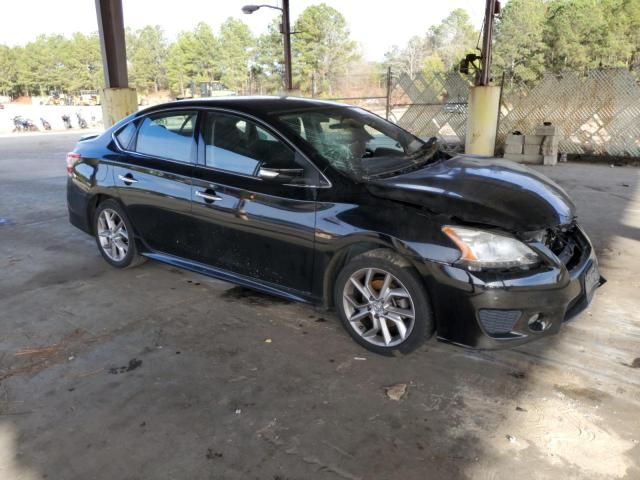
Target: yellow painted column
[(117, 103), (482, 120)]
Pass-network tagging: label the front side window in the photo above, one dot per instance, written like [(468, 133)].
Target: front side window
[(358, 143), (167, 135), (238, 145)]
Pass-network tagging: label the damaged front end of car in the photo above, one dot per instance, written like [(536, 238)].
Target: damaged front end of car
[(524, 265)]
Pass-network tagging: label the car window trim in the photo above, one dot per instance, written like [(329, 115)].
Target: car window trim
[(140, 120), (201, 109)]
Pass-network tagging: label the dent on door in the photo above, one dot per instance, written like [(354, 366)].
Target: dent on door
[(262, 236)]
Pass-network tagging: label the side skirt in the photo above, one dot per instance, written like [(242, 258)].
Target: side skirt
[(229, 277)]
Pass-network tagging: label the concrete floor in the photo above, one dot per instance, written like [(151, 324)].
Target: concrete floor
[(157, 373)]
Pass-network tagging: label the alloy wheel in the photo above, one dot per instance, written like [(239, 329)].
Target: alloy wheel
[(379, 307), (113, 235)]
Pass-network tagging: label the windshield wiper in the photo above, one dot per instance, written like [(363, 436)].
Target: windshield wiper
[(428, 147), (428, 157)]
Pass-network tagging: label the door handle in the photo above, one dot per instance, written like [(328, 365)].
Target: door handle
[(210, 197), (127, 179)]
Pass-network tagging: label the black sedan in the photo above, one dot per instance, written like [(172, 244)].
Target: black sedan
[(330, 204)]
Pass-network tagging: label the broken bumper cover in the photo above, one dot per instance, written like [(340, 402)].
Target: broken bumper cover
[(502, 310)]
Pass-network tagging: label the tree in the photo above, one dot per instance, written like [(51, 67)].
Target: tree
[(520, 49), (192, 58), (440, 49), (574, 31), (411, 59), (268, 60), (322, 49), (8, 74), (84, 63), (235, 43), (42, 65), (414, 55), (393, 59), (433, 65), (453, 38), (631, 11), (147, 54)]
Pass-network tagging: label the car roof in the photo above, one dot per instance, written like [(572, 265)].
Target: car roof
[(259, 105)]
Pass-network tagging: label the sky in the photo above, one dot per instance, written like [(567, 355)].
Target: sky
[(375, 24)]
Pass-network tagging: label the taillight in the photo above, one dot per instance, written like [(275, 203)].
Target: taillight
[(72, 159)]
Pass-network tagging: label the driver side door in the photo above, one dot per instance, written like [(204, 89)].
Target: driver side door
[(249, 221)]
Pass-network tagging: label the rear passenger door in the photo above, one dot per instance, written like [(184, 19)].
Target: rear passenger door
[(154, 180)]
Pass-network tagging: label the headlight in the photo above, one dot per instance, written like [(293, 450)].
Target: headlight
[(482, 249)]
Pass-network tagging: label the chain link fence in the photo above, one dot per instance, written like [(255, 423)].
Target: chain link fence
[(598, 112), (432, 105)]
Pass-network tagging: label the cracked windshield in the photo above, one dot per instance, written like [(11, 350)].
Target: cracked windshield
[(358, 143)]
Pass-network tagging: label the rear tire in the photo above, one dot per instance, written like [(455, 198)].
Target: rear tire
[(383, 303), (114, 235)]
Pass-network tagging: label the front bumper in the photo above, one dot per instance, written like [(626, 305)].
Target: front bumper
[(493, 310)]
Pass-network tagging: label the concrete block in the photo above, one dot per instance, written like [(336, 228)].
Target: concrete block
[(510, 148), (550, 145), (533, 159), (531, 149), (514, 139), (533, 139), (550, 159), (548, 130), (550, 150)]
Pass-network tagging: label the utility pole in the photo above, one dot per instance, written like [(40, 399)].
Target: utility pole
[(487, 36), (286, 33), (388, 105), (285, 30), (484, 99)]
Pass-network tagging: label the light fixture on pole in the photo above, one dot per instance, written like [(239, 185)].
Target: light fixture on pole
[(285, 29)]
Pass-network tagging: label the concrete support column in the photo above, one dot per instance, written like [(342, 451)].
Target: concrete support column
[(482, 120), (118, 100), (117, 103)]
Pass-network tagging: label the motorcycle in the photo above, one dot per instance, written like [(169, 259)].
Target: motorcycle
[(82, 123), (46, 125), (24, 125), (67, 121), (17, 124)]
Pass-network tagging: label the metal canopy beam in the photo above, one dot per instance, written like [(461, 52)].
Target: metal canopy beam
[(112, 43)]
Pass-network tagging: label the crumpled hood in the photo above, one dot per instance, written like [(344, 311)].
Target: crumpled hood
[(483, 190)]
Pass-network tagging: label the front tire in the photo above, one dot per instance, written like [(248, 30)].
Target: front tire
[(114, 235), (383, 304)]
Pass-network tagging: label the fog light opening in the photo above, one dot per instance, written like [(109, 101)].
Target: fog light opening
[(537, 324)]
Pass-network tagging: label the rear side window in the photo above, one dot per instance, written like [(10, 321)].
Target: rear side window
[(168, 135), (125, 135)]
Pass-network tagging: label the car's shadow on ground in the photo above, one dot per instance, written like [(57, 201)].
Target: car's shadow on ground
[(159, 373)]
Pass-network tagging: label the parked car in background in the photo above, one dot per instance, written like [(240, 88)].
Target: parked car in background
[(330, 204)]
